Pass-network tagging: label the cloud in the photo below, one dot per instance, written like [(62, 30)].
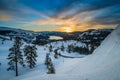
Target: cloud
[(75, 14), (5, 18)]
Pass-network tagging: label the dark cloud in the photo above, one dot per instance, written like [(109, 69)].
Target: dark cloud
[(7, 5), (108, 16), (80, 6), (113, 19)]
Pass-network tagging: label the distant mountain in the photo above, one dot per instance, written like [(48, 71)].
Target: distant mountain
[(90, 36), (5, 30), (94, 36), (10, 33)]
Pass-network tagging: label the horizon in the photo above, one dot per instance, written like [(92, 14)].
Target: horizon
[(58, 31), (59, 15)]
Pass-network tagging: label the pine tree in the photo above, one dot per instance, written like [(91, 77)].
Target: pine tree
[(3, 40), (47, 60), (31, 54), (70, 48), (10, 38), (62, 47), (56, 53), (92, 48), (15, 56), (51, 69), (50, 48), (49, 64)]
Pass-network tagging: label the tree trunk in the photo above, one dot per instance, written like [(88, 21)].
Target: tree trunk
[(16, 66)]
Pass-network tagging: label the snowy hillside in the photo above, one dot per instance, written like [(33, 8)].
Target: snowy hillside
[(42, 50), (103, 64), (94, 36)]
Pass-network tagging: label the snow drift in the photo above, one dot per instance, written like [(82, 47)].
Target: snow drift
[(103, 64)]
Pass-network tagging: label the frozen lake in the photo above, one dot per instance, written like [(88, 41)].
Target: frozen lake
[(55, 38)]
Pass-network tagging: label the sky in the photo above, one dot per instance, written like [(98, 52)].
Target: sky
[(59, 15)]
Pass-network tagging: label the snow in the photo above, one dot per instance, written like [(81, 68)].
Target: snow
[(103, 64), (6, 75), (4, 37), (3, 52), (55, 38)]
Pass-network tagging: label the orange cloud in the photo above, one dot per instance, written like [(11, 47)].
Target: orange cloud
[(5, 17), (78, 22)]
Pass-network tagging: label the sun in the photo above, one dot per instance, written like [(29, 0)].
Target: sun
[(68, 30)]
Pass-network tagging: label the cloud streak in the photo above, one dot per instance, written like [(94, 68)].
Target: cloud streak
[(78, 15)]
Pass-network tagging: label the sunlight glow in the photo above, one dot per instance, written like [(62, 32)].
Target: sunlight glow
[(68, 30)]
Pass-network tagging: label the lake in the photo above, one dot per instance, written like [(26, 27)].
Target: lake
[(55, 38)]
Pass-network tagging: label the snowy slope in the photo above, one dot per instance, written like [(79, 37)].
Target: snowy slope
[(40, 67), (103, 64)]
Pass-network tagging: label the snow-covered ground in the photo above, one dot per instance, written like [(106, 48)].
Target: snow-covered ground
[(103, 64), (41, 51)]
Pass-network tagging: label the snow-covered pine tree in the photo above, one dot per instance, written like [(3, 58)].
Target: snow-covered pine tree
[(3, 40), (56, 54), (50, 48), (11, 38), (92, 48), (47, 60), (62, 47), (15, 56), (70, 48), (51, 69), (49, 64), (31, 55)]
